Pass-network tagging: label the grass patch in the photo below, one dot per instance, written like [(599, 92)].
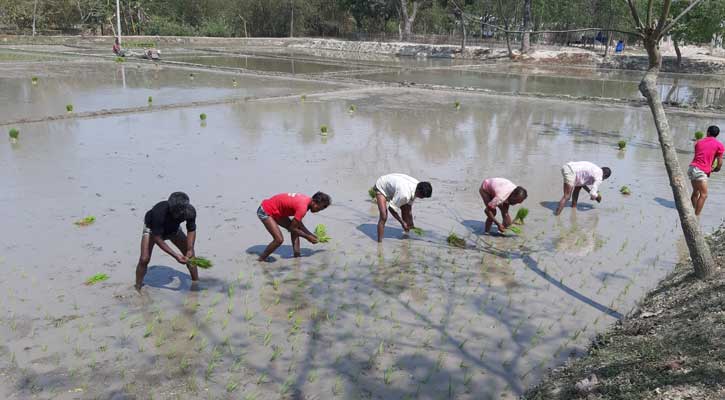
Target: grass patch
[(456, 241), (96, 278), (321, 233), (86, 221), (200, 262)]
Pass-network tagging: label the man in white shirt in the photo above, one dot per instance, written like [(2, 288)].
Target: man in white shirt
[(396, 192), (578, 175)]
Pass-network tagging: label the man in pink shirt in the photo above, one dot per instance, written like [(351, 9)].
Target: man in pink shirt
[(501, 193), (578, 175), (277, 210), (706, 151)]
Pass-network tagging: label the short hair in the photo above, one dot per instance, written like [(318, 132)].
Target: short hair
[(424, 190), (179, 206), (323, 199), (606, 172), (520, 192), (713, 131)]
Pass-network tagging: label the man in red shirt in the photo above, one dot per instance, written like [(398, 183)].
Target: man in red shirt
[(706, 151), (277, 210)]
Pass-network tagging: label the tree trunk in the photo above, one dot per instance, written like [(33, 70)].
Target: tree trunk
[(678, 63), (463, 39), (35, 13), (609, 43), (292, 20), (408, 18), (699, 250), (526, 40)]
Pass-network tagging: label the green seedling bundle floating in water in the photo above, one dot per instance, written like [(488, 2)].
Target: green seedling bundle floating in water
[(150, 100), (521, 215), (303, 98), (323, 130), (202, 117), (14, 133), (456, 241), (457, 105), (34, 80), (699, 135), (417, 231), (86, 221), (621, 144), (120, 59), (321, 233), (200, 262), (352, 108), (69, 108), (515, 229), (625, 190), (96, 278)]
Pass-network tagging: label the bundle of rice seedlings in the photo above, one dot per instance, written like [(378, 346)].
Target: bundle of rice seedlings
[(417, 231), (456, 241), (515, 229), (323, 130), (150, 100), (352, 108), (457, 105), (202, 117), (191, 76), (321, 233), (96, 278), (120, 59), (621, 144), (200, 262), (34, 80), (234, 82), (699, 135), (69, 108), (521, 215), (86, 221), (372, 193), (625, 190), (14, 133), (303, 98)]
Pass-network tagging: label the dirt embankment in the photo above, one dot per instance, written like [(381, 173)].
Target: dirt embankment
[(672, 347)]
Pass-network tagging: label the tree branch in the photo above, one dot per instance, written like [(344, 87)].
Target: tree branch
[(665, 14), (682, 14), (650, 3), (635, 15)]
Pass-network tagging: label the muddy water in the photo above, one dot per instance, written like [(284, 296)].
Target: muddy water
[(290, 66), (104, 85), (350, 319), (619, 85)]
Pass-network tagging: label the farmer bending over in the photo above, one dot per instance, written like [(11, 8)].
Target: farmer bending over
[(277, 210), (706, 151), (501, 193), (162, 223), (396, 192), (578, 175)]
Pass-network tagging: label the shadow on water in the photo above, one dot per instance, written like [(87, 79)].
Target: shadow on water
[(284, 251), (371, 231), (553, 205), (163, 277), (665, 203)]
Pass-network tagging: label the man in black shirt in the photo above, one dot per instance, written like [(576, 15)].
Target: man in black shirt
[(162, 223)]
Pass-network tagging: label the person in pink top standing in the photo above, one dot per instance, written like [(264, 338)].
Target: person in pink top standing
[(277, 210), (706, 151), (578, 175), (500, 193)]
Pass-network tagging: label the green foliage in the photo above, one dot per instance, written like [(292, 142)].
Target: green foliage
[(96, 278), (456, 241), (86, 221), (165, 26), (521, 215), (120, 59), (621, 144), (202, 116), (138, 44), (216, 27), (150, 100), (69, 108), (457, 105), (352, 108), (323, 130), (200, 262), (34, 80), (13, 133), (321, 233), (699, 135), (372, 193)]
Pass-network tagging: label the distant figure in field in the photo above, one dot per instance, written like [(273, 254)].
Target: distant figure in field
[(707, 150), (578, 175), (501, 193), (620, 47), (277, 210), (117, 50), (162, 223), (397, 192)]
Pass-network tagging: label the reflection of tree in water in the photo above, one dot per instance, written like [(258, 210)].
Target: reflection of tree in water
[(581, 237)]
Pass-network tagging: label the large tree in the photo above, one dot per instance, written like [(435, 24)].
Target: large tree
[(651, 29)]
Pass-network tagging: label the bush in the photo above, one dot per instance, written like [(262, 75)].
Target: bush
[(163, 26), (215, 28)]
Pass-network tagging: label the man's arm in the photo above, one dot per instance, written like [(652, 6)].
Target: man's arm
[(719, 163), (506, 217), (397, 216), (596, 197), (190, 240), (159, 241), (490, 214), (297, 228)]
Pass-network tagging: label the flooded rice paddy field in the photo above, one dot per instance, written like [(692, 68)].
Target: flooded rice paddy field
[(411, 318)]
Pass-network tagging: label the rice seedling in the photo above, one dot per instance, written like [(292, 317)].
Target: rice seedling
[(262, 378), (372, 193), (321, 233), (303, 98), (232, 386), (699, 135), (120, 59), (69, 108), (337, 387), (323, 130), (625, 190), (149, 330), (456, 241), (202, 116), (515, 229), (13, 133), (96, 278), (388, 375), (521, 215), (191, 76), (86, 221), (621, 145), (200, 262), (234, 83), (417, 231), (457, 105), (34, 80), (276, 352), (352, 108), (150, 100)]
